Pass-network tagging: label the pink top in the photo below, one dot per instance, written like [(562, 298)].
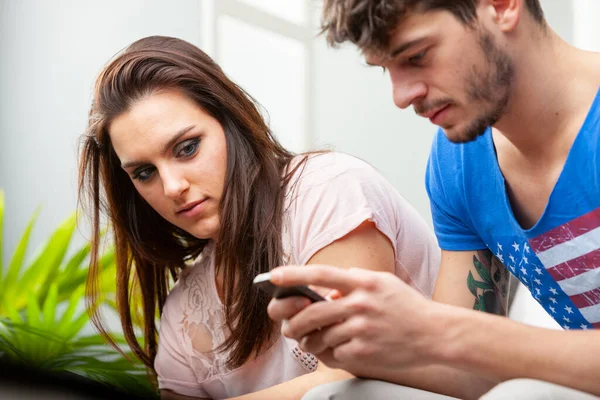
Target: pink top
[(334, 194)]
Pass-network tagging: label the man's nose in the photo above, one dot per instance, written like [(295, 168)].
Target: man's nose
[(405, 90)]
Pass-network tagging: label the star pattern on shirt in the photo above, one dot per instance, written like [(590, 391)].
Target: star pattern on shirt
[(523, 262), (499, 256), (569, 310)]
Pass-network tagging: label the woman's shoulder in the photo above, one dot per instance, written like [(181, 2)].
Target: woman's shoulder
[(318, 168), (333, 159)]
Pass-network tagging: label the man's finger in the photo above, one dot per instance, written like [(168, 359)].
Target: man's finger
[(337, 334), (313, 343), (317, 316), (314, 274), (281, 309), (326, 358)]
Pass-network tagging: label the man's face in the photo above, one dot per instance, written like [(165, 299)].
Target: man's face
[(454, 75)]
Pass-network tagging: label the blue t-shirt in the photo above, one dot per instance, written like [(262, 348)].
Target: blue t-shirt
[(558, 259)]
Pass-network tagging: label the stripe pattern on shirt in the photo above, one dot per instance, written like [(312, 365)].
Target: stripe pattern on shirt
[(570, 254)]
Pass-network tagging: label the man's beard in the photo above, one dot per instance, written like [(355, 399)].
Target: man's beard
[(490, 86)]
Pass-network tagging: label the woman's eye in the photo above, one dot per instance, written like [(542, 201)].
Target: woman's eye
[(187, 148), (144, 174)]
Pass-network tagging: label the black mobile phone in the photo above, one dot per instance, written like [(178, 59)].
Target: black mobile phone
[(263, 282)]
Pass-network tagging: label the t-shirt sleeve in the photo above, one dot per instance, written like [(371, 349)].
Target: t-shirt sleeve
[(444, 184), (334, 194), (171, 363)]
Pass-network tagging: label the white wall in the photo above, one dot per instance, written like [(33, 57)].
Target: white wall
[(354, 112), (50, 53), (586, 32)]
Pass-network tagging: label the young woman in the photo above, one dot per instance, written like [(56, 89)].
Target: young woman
[(197, 190)]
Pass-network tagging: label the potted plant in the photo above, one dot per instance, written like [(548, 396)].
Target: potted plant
[(42, 312)]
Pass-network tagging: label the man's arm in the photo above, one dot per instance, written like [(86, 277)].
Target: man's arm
[(499, 348), (387, 326), (568, 358), (471, 279)]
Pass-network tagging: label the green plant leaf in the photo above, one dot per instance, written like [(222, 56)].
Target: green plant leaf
[(107, 268), (47, 261), (63, 326), (76, 260), (1, 242), (33, 330), (33, 312), (55, 252), (482, 271), (72, 283), (49, 308), (10, 311), (77, 325), (16, 262)]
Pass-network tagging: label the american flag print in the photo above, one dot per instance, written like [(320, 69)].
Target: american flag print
[(561, 268)]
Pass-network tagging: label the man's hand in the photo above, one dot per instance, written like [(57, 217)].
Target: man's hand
[(379, 321)]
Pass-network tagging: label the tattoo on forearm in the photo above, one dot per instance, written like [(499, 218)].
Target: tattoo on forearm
[(490, 286)]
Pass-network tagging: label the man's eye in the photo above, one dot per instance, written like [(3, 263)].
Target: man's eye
[(187, 148), (417, 58), (144, 174)]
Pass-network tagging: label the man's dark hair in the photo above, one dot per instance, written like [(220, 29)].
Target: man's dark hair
[(369, 23)]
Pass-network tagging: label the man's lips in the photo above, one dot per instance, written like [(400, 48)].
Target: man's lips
[(432, 113)]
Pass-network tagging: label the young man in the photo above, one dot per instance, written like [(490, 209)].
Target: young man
[(514, 183)]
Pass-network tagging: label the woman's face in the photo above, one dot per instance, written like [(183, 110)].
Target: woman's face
[(176, 156)]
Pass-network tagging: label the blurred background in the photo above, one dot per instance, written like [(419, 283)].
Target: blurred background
[(313, 96)]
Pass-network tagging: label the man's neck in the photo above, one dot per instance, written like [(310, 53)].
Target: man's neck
[(553, 88)]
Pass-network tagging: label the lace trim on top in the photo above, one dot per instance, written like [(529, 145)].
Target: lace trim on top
[(203, 325), (203, 328)]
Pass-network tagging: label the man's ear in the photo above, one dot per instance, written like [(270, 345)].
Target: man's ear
[(505, 14)]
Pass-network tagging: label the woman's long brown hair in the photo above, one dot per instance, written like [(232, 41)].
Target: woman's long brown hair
[(148, 248)]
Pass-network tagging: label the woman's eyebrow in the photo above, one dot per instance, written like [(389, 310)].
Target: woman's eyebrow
[(165, 148)]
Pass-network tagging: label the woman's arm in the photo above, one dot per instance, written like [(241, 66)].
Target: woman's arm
[(364, 247), (297, 387)]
